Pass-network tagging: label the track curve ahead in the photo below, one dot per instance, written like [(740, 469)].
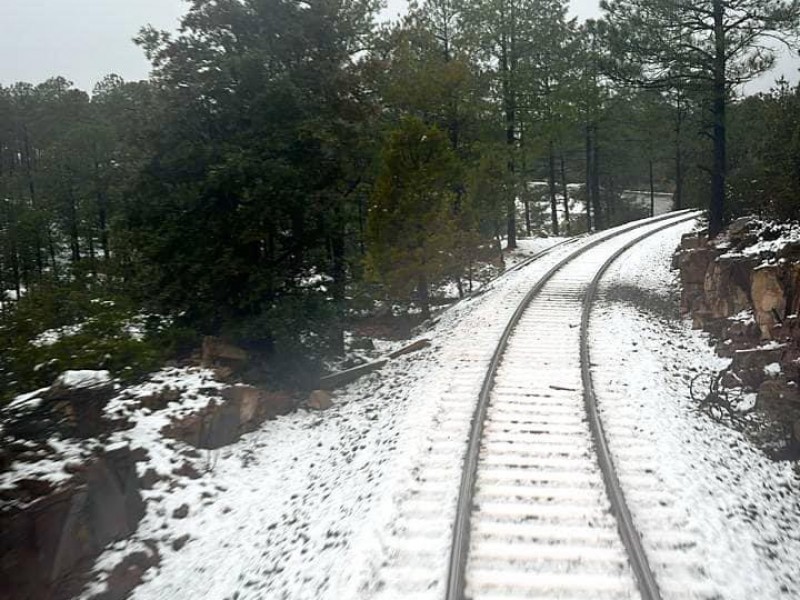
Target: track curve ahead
[(540, 511)]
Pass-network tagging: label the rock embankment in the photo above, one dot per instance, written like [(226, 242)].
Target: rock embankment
[(743, 287)]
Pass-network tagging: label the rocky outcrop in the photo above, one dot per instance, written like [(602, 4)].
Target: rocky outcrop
[(721, 279), (744, 288), (320, 400), (46, 539), (242, 408)]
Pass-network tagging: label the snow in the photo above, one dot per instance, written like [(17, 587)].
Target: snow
[(51, 336), (745, 316), (772, 369), (26, 401), (83, 379), (784, 234), (48, 468), (736, 509), (343, 505)]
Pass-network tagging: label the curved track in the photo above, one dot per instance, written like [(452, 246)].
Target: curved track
[(540, 510)]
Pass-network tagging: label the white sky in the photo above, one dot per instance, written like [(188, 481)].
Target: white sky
[(84, 40)]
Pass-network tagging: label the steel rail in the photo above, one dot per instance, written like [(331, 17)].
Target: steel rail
[(460, 540), (627, 529)]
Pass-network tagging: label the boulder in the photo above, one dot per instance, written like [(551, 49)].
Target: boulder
[(214, 426), (257, 405), (693, 241), (219, 353), (725, 286), (76, 400), (161, 398), (769, 300), (363, 343), (693, 264), (777, 394), (129, 573), (320, 400), (242, 408), (46, 540)]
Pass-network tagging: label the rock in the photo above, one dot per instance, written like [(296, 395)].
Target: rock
[(693, 264), (35, 488), (81, 380), (223, 373), (45, 540), (256, 404), (77, 399), (769, 300), (774, 393), (363, 343), (748, 364), (217, 352), (128, 574), (161, 399), (242, 408), (181, 512), (693, 241), (248, 398), (187, 470), (740, 227), (320, 400), (725, 285), (149, 479), (179, 543)]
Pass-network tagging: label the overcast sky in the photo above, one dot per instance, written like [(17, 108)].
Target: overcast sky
[(84, 40)]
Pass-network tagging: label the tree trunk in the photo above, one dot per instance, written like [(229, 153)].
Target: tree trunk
[(566, 192), (717, 205), (551, 181), (599, 222), (523, 170), (509, 104), (678, 201), (588, 183), (652, 190), (424, 296), (51, 247), (74, 239), (339, 287)]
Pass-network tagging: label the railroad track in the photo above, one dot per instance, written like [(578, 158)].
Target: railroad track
[(540, 512), (532, 515)]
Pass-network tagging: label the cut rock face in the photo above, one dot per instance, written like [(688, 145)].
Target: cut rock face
[(44, 541), (242, 408), (744, 288), (769, 299)]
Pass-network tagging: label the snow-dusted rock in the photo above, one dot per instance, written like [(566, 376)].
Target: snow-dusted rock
[(320, 400), (769, 298), (81, 380)]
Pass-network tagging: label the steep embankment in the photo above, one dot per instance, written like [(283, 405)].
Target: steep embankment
[(744, 288)]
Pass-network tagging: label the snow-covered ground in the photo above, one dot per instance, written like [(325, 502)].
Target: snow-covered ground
[(307, 506), (738, 510)]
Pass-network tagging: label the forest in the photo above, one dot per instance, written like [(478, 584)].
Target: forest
[(289, 163)]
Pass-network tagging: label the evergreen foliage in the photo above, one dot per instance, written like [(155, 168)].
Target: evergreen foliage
[(286, 156), (411, 229)]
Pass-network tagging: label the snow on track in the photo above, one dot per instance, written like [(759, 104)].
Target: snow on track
[(537, 439), (406, 554), (718, 519)]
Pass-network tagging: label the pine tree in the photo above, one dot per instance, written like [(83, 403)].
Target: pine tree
[(411, 230), (710, 45)]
